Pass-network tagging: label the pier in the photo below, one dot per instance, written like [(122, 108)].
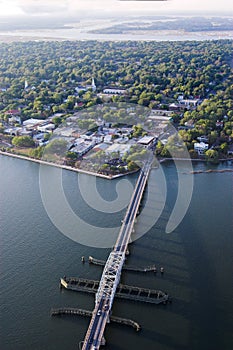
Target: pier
[(81, 312), (124, 267), (123, 291)]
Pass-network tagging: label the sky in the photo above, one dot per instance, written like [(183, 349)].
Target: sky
[(70, 7)]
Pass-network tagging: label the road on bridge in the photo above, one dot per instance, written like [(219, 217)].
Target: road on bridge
[(113, 267)]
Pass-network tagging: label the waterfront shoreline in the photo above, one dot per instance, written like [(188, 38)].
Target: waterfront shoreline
[(107, 177), (66, 167), (194, 160)]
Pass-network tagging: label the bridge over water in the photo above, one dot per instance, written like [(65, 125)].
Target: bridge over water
[(112, 270)]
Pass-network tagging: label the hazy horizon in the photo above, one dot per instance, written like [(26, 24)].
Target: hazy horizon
[(13, 9)]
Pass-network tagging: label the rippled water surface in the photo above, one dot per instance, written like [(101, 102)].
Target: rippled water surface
[(197, 258)]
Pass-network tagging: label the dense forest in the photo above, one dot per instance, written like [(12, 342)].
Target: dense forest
[(154, 74)]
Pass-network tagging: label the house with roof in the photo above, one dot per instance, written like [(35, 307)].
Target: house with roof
[(83, 147), (12, 131), (200, 147), (13, 112), (189, 103), (203, 138), (145, 140), (46, 127), (15, 119), (118, 148), (219, 124), (114, 91)]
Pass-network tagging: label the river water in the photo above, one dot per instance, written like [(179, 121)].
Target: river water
[(197, 258)]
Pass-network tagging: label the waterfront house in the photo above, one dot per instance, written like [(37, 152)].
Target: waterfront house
[(201, 147)]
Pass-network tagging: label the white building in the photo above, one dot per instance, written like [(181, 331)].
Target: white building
[(189, 103), (83, 147), (12, 131), (202, 138), (146, 140), (201, 147), (80, 88), (159, 117), (65, 131), (15, 119), (33, 122), (85, 88), (108, 138), (116, 147), (112, 91), (46, 128)]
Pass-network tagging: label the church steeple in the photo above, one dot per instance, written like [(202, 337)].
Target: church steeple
[(93, 86), (25, 85)]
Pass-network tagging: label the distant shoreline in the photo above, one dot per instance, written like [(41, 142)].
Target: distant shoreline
[(72, 35)]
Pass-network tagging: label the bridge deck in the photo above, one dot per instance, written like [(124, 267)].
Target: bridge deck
[(113, 267)]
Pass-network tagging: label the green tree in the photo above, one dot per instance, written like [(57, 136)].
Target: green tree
[(36, 152), (23, 141), (132, 166), (211, 155), (57, 121), (71, 155), (56, 146), (223, 148)]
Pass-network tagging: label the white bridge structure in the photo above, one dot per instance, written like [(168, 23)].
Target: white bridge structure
[(110, 277), (112, 271)]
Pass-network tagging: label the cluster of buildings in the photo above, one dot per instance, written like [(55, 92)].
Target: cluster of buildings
[(106, 91), (106, 138), (36, 128), (111, 140), (182, 104)]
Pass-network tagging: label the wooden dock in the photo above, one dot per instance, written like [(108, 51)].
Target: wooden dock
[(125, 267), (82, 312), (123, 291)]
